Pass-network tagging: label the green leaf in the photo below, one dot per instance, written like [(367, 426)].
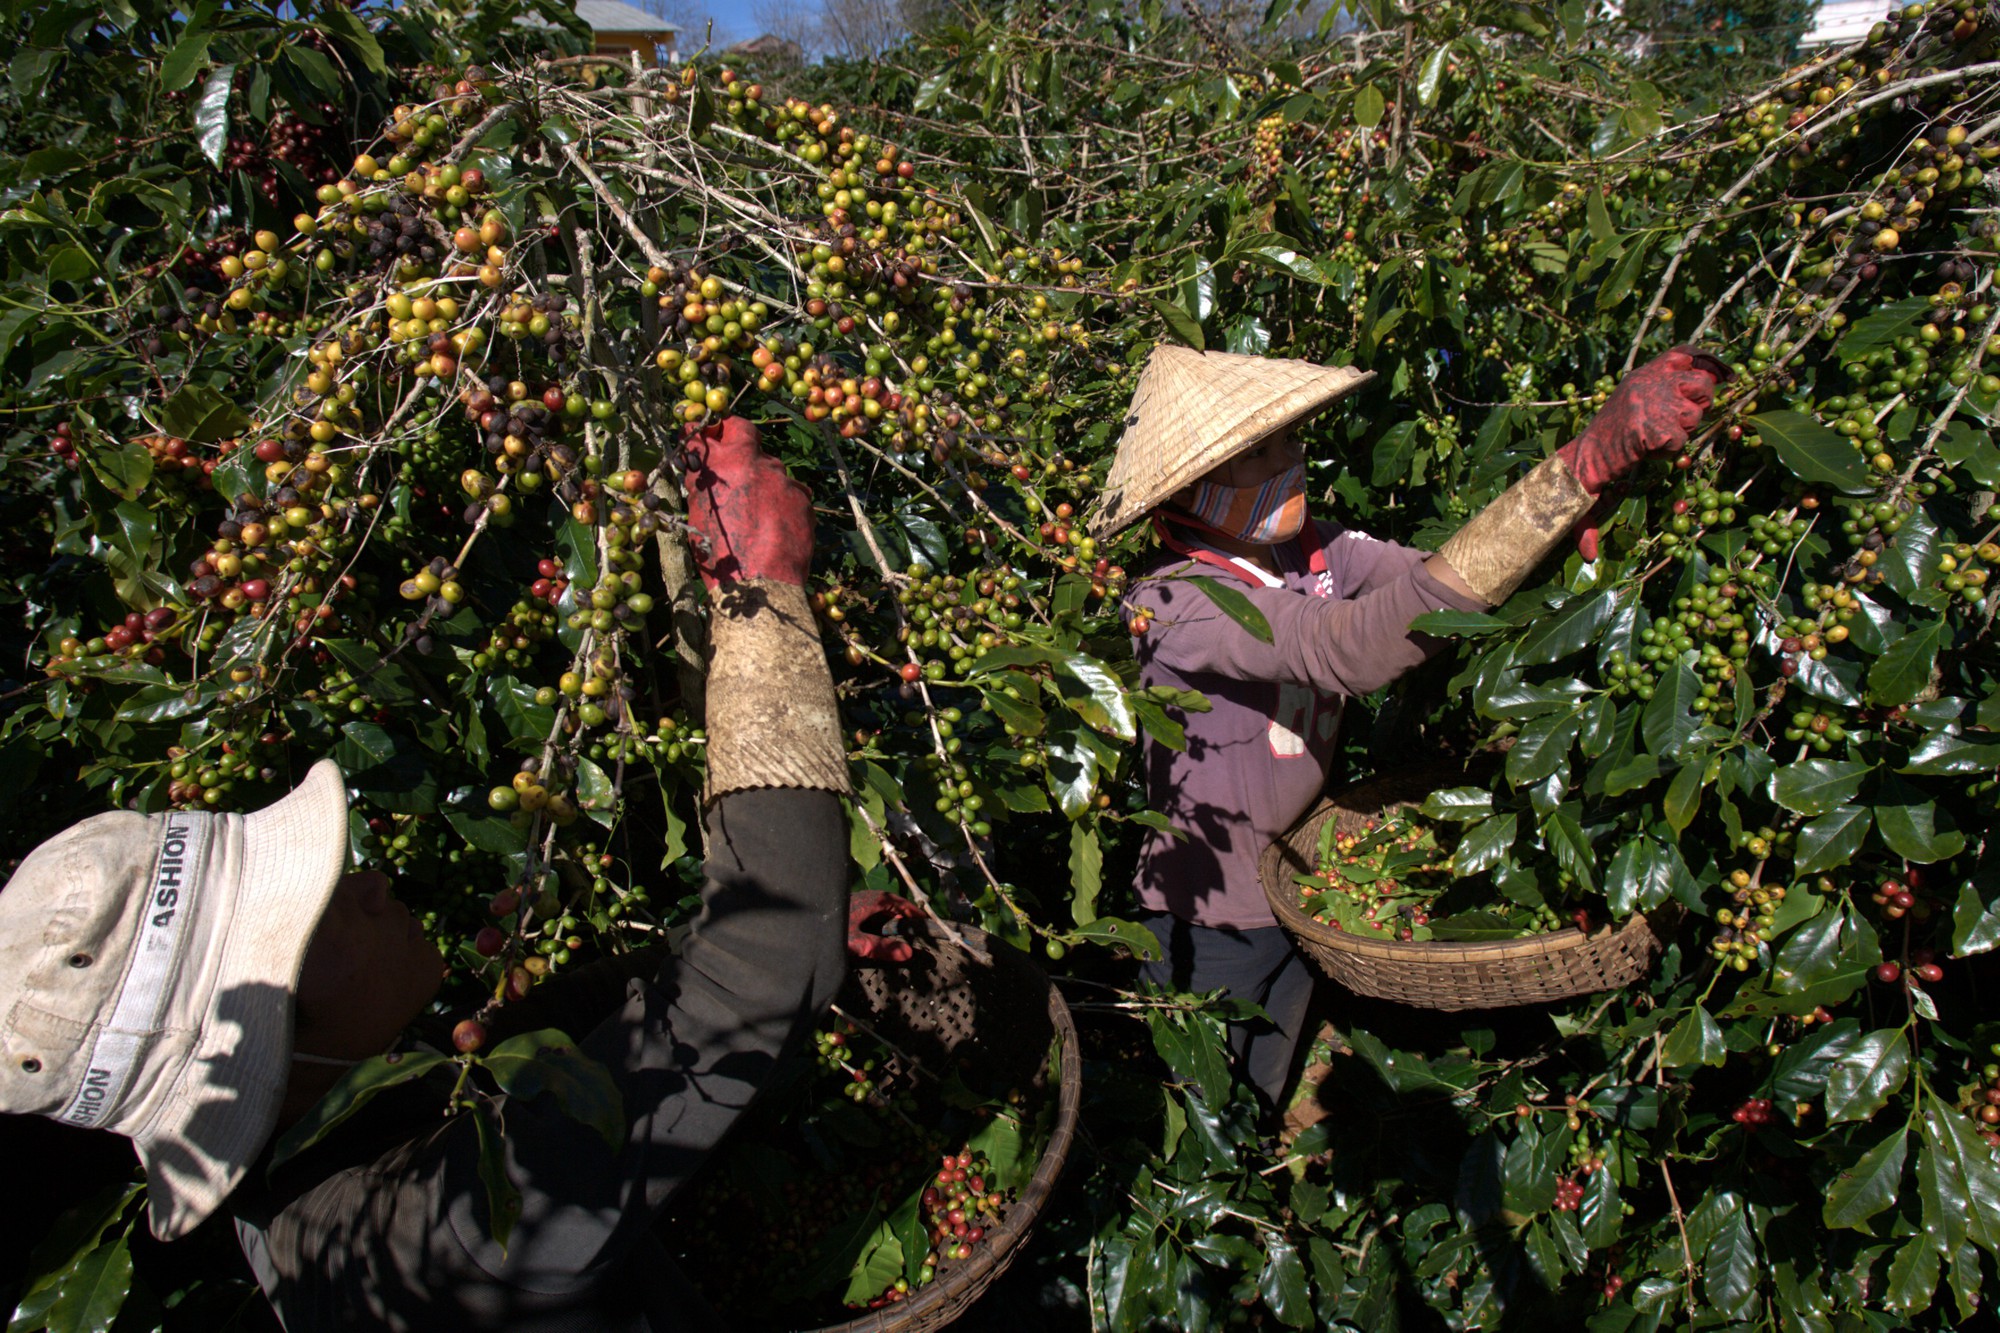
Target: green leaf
[(1624, 276), (1541, 747), (1863, 1080), (357, 1087), (1568, 630), (1813, 453), (1602, 1211), (352, 33), (1528, 1173), (1730, 1269), (1879, 329), (1086, 863), (211, 114), (93, 1291), (1975, 921), (201, 414), (1232, 603), (1815, 786), (1640, 876), (1870, 1185), (314, 67), (1369, 106), (1282, 1284), (1945, 753), (1110, 931), (1903, 672), (1916, 829), (1462, 624), (185, 60), (1913, 1277), (1566, 841), (1826, 960), (1829, 842), (503, 1199), (1458, 803), (1485, 844), (1430, 78), (881, 1263), (1670, 721), (1393, 452), (1025, 718), (1102, 703), (1597, 217), (1683, 799), (1184, 325), (1965, 1179), (549, 1062), (124, 468), (1695, 1040)]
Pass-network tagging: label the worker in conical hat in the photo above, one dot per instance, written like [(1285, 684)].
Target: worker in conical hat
[(1212, 457)]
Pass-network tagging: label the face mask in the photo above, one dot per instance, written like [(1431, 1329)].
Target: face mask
[(1261, 515)]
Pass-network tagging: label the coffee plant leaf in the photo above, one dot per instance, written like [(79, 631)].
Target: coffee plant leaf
[(1232, 603), (1811, 452), (1976, 917), (1282, 1283), (1695, 1040), (1904, 669), (1866, 1075), (1601, 1214), (1817, 786), (1825, 961), (1729, 1268), (1567, 629), (1879, 329), (1833, 839), (503, 1196), (1914, 826), (1870, 1185), (1458, 624), (91, 1291), (1913, 1277), (356, 1088), (1945, 753), (1529, 1170), (547, 1061)]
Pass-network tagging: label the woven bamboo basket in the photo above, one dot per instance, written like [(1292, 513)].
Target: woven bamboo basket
[(985, 1003), (1440, 975)]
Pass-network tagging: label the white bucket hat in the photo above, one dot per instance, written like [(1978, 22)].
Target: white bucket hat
[(151, 962), (1195, 410)]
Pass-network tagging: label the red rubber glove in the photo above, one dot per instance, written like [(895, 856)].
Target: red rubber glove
[(1652, 411), (754, 521), (868, 913)]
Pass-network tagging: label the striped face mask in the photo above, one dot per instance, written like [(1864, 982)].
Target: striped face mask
[(1261, 515)]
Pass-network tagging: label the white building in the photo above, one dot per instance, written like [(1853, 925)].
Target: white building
[(1840, 22)]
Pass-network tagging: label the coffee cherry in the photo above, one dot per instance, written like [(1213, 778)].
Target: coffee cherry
[(468, 1036)]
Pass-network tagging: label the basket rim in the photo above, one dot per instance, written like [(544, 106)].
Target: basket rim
[(1275, 877), (965, 1282)]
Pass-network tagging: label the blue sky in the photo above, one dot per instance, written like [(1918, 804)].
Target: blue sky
[(732, 22)]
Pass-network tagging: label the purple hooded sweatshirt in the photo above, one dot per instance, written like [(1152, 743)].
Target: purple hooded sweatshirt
[(1339, 612)]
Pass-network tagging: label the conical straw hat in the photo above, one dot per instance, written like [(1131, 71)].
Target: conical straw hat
[(1194, 410)]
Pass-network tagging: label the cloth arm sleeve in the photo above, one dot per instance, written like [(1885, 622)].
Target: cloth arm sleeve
[(1349, 646), (688, 1050)]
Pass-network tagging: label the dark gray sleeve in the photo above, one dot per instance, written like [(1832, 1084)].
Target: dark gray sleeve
[(689, 1050)]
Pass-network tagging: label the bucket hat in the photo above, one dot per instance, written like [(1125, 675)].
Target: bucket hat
[(151, 962), (1195, 410)]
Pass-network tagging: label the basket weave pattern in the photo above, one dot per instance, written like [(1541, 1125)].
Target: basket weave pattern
[(948, 1007), (1437, 974)]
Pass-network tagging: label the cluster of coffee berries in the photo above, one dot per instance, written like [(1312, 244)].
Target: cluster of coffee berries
[(1903, 894), (1753, 1112), (958, 1208), (63, 445), (1569, 1194), (1981, 1102)]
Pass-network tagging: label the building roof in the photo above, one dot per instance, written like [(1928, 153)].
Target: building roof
[(613, 16), (1843, 21)]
